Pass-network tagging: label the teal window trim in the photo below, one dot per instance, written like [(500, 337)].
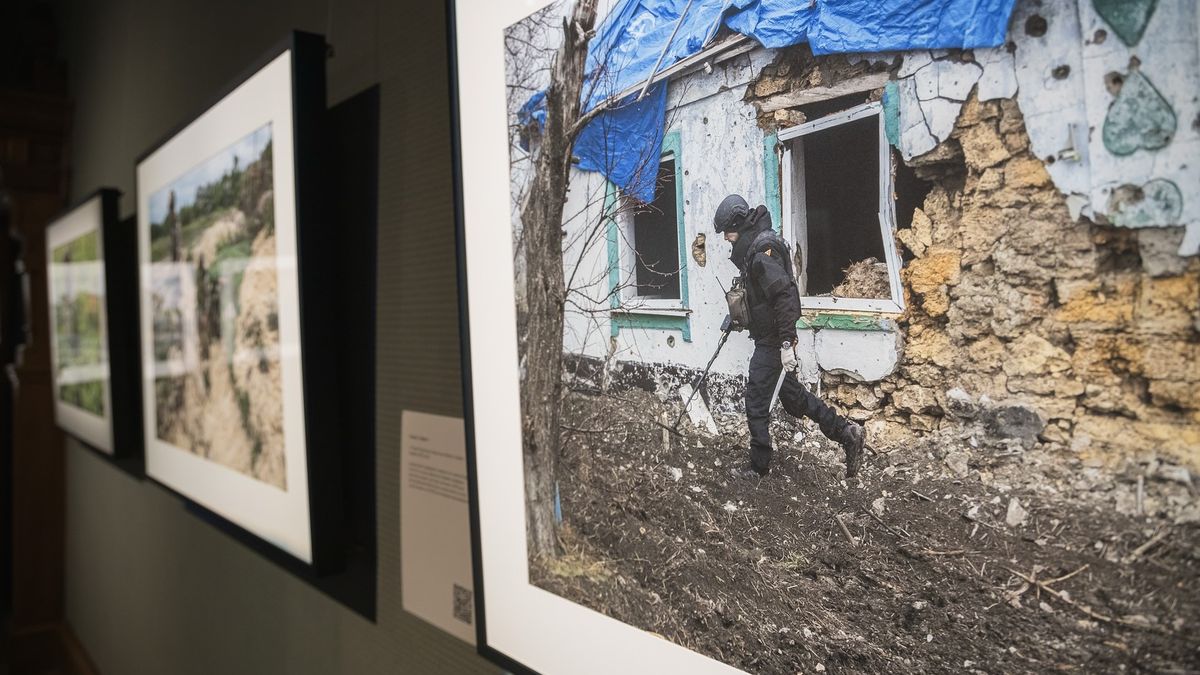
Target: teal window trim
[(647, 319), (628, 321), (891, 113), (833, 321), (771, 179), (614, 251)]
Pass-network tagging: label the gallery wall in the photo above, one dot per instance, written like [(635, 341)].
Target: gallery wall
[(151, 588)]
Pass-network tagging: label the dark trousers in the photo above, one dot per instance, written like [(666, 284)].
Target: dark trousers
[(765, 367)]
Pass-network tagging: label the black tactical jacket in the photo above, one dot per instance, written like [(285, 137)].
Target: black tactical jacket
[(765, 262)]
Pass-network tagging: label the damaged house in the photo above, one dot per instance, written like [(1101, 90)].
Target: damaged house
[(1002, 238)]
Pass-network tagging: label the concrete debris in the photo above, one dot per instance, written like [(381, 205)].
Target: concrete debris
[(960, 404), (1016, 515), (697, 411), (957, 463)]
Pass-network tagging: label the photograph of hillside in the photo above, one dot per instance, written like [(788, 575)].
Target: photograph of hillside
[(218, 388), (78, 293)]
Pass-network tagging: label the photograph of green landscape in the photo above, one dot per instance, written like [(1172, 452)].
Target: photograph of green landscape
[(77, 296), (217, 384)]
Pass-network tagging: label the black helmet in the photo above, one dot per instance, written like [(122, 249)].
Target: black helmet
[(731, 214)]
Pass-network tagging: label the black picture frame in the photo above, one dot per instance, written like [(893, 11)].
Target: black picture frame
[(464, 331), (118, 245)]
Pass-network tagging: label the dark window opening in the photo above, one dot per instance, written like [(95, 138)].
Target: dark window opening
[(656, 240), (911, 191), (841, 199)]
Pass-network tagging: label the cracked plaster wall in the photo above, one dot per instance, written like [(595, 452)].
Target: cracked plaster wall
[(1109, 101), (1090, 331), (1024, 303)]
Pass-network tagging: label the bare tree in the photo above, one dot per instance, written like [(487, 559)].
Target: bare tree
[(544, 57), (545, 287)]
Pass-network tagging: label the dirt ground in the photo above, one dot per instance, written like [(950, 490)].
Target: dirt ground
[(930, 573)]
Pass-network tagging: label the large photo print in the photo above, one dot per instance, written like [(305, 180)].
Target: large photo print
[(829, 356)]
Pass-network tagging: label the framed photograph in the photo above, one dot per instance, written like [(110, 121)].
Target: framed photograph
[(79, 319), (231, 308), (526, 621)]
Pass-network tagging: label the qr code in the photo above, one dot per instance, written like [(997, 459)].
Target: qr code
[(463, 604)]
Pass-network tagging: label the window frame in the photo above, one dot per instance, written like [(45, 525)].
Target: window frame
[(886, 211), (630, 302)]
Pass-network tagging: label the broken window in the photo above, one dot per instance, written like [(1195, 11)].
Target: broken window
[(839, 211), (655, 240)]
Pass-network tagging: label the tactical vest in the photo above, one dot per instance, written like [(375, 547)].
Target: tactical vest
[(762, 322)]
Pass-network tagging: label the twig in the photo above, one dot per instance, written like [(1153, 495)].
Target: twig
[(926, 498), (1141, 495), (1044, 585), (845, 530), (1068, 576), (1086, 610), (880, 521), (932, 552), (1137, 552)]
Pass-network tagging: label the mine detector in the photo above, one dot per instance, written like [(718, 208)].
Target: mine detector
[(728, 326)]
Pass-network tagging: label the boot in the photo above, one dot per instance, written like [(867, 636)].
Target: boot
[(748, 471), (852, 438)]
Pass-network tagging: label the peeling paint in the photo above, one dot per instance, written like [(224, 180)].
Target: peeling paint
[(1128, 18), (1127, 134), (934, 85), (1099, 115), (1158, 201), (1139, 118), (698, 252)]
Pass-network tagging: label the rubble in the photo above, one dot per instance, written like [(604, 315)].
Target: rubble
[(864, 279), (741, 570), (1016, 514)]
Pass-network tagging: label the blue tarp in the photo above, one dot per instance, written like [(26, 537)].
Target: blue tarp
[(623, 143)]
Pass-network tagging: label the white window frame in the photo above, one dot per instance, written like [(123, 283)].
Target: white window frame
[(631, 302), (886, 211)]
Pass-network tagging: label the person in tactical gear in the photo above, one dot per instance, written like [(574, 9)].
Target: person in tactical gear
[(773, 300)]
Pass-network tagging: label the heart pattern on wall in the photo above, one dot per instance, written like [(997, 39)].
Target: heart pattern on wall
[(1157, 203), (1139, 117), (1128, 18)]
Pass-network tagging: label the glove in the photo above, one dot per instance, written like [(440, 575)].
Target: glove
[(787, 355)]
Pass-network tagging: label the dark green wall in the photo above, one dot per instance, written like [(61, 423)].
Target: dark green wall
[(150, 588)]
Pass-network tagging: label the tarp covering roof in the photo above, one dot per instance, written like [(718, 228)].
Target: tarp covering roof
[(623, 143)]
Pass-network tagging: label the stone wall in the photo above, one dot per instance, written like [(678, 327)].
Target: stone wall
[(1013, 306), (1024, 324)]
